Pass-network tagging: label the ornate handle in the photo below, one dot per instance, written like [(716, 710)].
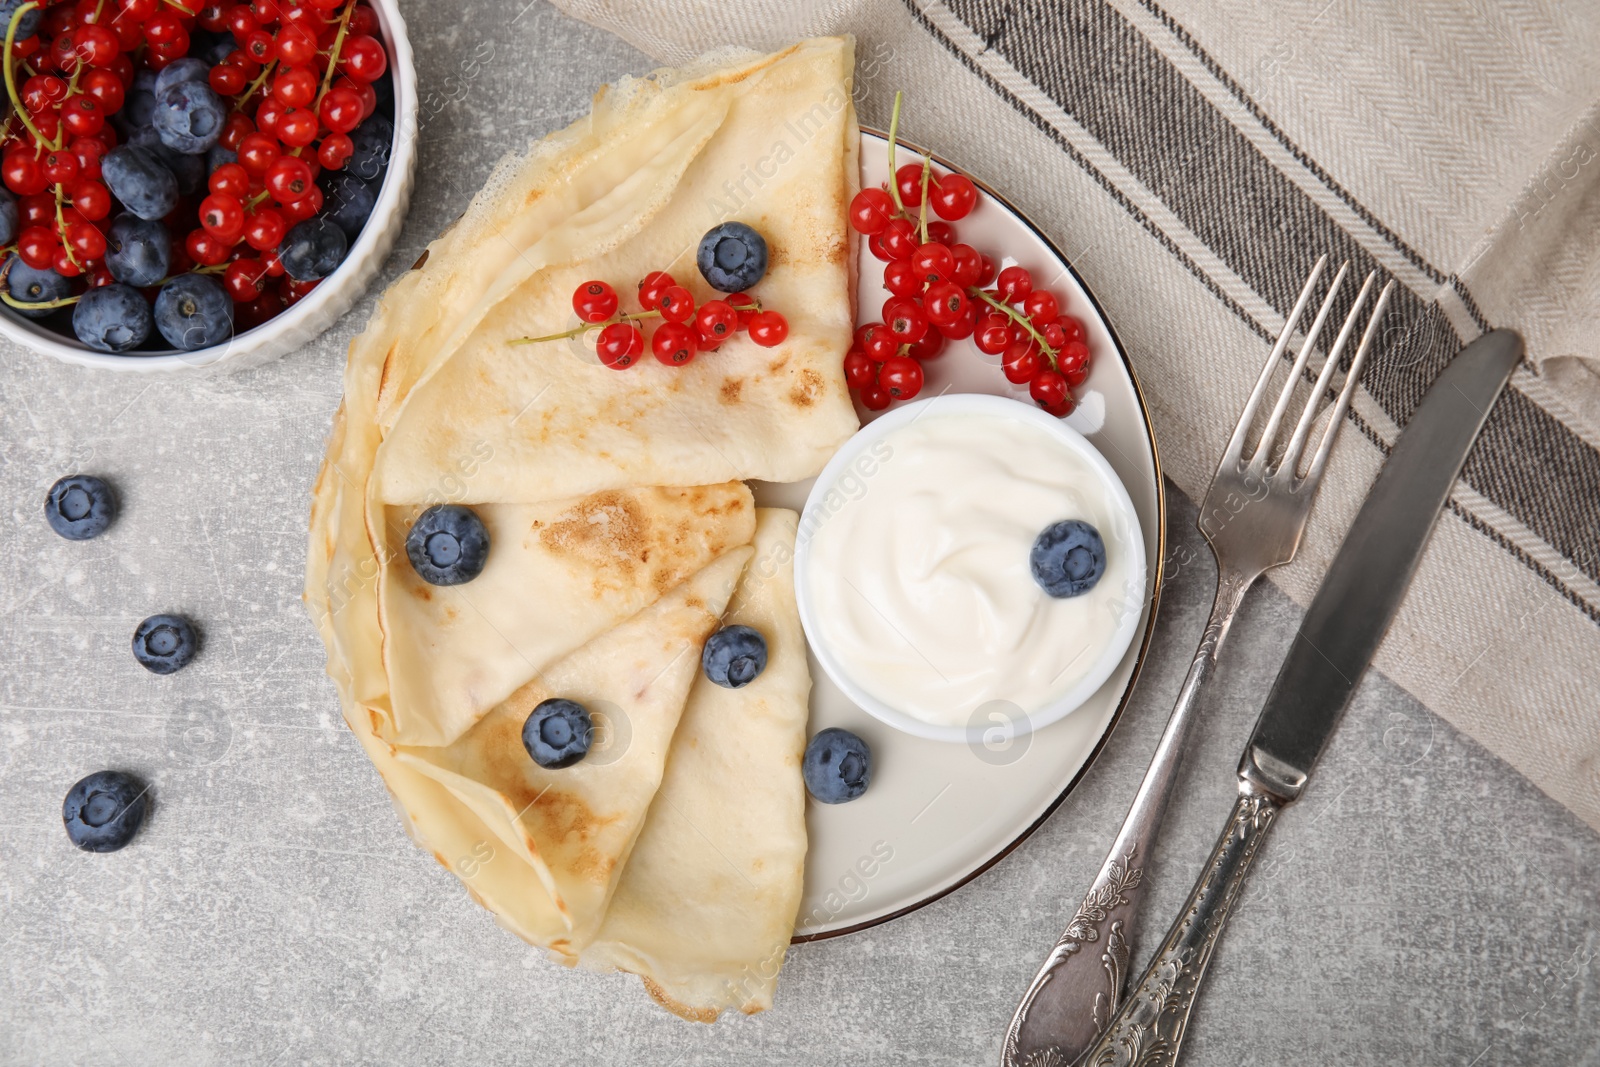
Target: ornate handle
[(1075, 992), (1149, 1028)]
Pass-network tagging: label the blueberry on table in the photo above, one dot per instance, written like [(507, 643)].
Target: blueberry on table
[(448, 545), (732, 257), (189, 116), (312, 249), (558, 733), (30, 286), (164, 643), (734, 656), (103, 811), (1068, 558), (80, 506), (139, 178), (138, 251), (112, 318), (194, 311), (837, 766)]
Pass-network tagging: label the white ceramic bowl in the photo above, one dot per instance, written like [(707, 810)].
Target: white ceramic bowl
[(818, 504), (313, 314)]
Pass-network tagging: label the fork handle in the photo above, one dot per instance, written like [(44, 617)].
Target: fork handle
[(1076, 992), (1150, 1027)]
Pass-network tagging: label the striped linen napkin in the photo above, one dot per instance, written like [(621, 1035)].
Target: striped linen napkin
[(1194, 162)]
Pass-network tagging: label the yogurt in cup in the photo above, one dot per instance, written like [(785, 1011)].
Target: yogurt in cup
[(913, 576)]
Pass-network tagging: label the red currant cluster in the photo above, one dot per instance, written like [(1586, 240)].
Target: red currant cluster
[(297, 84), (685, 330), (941, 289)]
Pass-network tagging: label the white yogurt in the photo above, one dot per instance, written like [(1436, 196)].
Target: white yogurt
[(918, 573)]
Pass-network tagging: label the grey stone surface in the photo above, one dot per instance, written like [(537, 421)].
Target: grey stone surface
[(1423, 904)]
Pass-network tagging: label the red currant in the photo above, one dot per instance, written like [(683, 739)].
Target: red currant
[(594, 301), (257, 152), (715, 322), (968, 265), (23, 171), (92, 200), (86, 240), (859, 369), (1073, 361), (139, 10), (296, 45), (901, 377), (289, 178), (871, 210), (64, 265), (962, 328), (929, 346), (743, 305), (986, 276), (1021, 362), (340, 110), (768, 329), (1040, 307), (941, 233), (205, 249), (905, 319), (1049, 390), (228, 79), (302, 209), (230, 178), (97, 45), (901, 278), (620, 345), (363, 58), (676, 304), (297, 127), (945, 304), (875, 246), (244, 279), (234, 130), (1072, 328), (908, 179), (106, 89), (222, 216), (296, 86), (875, 397), (61, 167), (674, 344), (43, 92), (1015, 284), (876, 341), (37, 246), (953, 197), (38, 209), (933, 263), (264, 230), (993, 333), (81, 116), (335, 150), (651, 286), (899, 239)]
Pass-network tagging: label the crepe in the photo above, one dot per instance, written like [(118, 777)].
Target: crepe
[(708, 900), (556, 454)]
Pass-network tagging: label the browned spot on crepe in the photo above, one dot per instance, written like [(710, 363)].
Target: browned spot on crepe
[(806, 389), (731, 388), (677, 1007)]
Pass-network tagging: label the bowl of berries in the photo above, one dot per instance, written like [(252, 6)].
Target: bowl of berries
[(198, 183)]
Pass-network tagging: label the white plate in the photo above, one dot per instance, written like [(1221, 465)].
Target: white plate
[(939, 814)]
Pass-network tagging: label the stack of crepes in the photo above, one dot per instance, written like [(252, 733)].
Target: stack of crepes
[(622, 533)]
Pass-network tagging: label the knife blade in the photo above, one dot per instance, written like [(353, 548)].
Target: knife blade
[(1334, 646), (1369, 576)]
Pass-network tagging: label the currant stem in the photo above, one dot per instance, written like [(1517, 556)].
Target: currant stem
[(922, 211), (61, 227), (11, 81), (1017, 316), (338, 43), (626, 316), (894, 128), (244, 97)]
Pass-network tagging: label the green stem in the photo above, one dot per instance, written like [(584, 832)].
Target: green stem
[(250, 90), (626, 316), (61, 226), (1017, 316), (338, 43), (894, 129), (11, 80)]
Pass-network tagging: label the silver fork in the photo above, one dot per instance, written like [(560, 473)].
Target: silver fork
[(1253, 516)]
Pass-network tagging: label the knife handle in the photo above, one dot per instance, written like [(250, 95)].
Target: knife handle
[(1150, 1025)]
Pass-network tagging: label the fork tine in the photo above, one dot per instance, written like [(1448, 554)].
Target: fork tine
[(1236, 444), (1291, 456), (1270, 433), (1320, 460)]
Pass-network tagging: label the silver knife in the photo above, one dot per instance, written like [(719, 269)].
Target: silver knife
[(1335, 644)]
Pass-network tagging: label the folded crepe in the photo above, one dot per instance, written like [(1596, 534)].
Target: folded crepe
[(617, 521)]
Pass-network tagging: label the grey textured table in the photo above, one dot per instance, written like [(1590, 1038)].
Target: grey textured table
[(1425, 904)]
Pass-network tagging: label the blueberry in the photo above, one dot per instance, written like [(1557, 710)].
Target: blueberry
[(194, 311), (112, 318), (214, 48), (558, 733), (80, 506), (8, 216), (312, 249), (141, 180), (139, 103), (26, 25), (164, 643), (1068, 558), (734, 656), (373, 141), (189, 116), (35, 287), (448, 545), (103, 811), (732, 257), (190, 171), (138, 251), (347, 201), (837, 766), (218, 156), (187, 69)]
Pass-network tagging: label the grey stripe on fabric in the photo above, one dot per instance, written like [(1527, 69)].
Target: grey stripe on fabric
[(1099, 68)]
